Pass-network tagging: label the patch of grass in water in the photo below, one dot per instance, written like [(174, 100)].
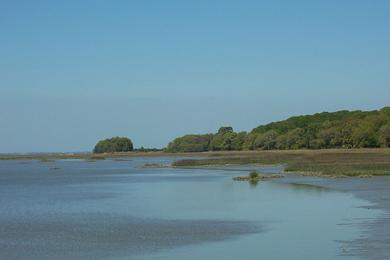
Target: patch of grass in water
[(322, 163)]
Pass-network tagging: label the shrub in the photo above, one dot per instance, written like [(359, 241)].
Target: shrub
[(115, 144), (253, 175)]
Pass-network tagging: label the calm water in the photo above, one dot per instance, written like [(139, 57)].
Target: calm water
[(110, 209)]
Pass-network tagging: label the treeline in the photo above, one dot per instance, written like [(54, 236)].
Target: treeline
[(120, 144), (342, 129), (226, 139), (114, 144)]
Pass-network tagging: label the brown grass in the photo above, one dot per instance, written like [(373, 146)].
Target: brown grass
[(341, 162), (331, 162)]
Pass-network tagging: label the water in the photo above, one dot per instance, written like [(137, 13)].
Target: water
[(71, 209)]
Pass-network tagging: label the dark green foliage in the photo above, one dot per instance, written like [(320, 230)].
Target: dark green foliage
[(266, 141), (225, 129), (253, 175), (143, 149), (384, 136), (190, 143), (115, 144), (224, 140), (238, 141), (342, 129)]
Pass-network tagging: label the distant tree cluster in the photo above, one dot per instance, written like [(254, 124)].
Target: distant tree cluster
[(115, 144), (143, 149), (342, 129), (224, 140), (190, 143)]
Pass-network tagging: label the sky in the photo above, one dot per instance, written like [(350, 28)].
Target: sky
[(73, 72)]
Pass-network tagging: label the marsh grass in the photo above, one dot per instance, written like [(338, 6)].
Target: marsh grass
[(329, 162), (339, 163)]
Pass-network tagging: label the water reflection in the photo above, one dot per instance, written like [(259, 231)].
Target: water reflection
[(253, 183), (308, 187)]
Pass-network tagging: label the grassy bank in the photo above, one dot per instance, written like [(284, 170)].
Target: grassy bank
[(329, 162), (333, 162)]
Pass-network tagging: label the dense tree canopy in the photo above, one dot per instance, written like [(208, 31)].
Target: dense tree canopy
[(224, 139), (115, 144), (342, 129), (190, 143)]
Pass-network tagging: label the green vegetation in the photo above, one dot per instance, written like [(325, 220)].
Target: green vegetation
[(156, 165), (146, 150), (253, 175), (287, 142), (190, 143), (331, 162), (224, 140), (342, 129), (115, 144)]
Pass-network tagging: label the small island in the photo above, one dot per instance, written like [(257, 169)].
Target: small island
[(114, 144), (254, 176)]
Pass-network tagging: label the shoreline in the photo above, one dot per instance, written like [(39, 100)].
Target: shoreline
[(374, 190), (212, 154), (376, 243), (322, 163)]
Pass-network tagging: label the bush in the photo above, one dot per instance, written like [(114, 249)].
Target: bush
[(190, 143), (115, 144), (253, 175)]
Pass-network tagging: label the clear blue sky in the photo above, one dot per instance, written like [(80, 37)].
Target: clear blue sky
[(73, 72)]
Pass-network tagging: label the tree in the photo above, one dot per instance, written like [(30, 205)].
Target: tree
[(341, 129), (190, 143), (295, 139), (223, 139), (253, 175), (266, 141), (114, 144), (384, 136), (365, 136), (238, 140), (225, 129)]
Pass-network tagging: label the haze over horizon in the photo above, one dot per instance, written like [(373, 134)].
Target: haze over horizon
[(72, 73)]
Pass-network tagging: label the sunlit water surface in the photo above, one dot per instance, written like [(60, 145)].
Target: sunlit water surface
[(115, 209)]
